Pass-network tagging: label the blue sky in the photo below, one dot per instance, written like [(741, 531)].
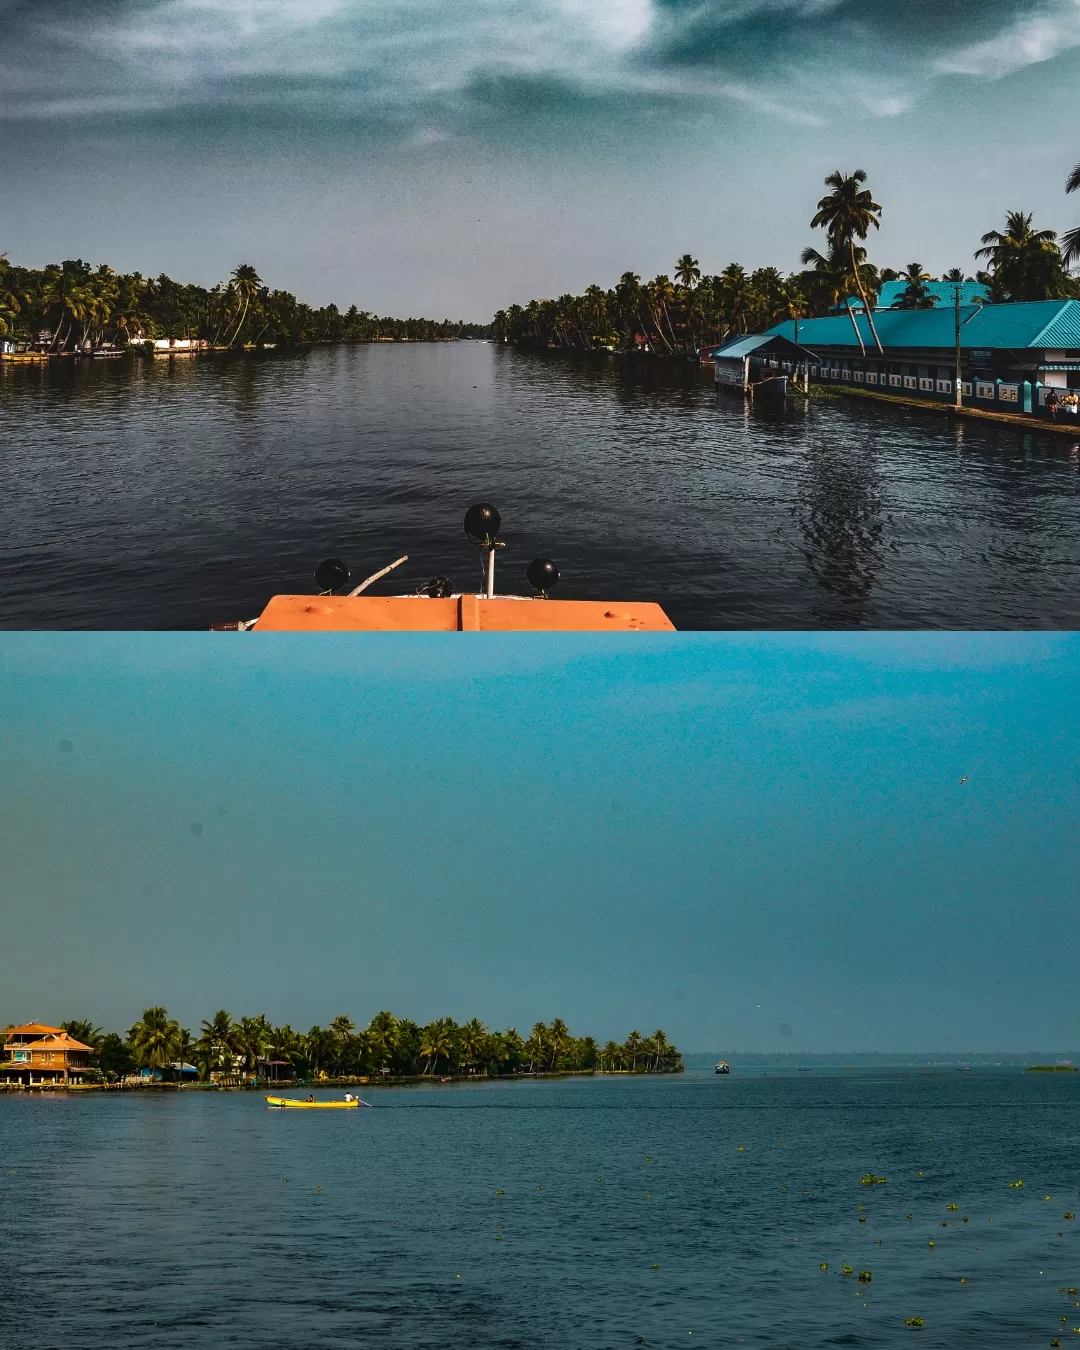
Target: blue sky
[(410, 155), (720, 835)]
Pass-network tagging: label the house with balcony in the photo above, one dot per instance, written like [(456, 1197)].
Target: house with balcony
[(35, 1054)]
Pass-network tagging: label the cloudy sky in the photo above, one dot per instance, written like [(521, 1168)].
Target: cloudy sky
[(758, 842), (415, 155)]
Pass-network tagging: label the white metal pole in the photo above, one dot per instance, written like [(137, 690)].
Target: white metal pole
[(490, 588)]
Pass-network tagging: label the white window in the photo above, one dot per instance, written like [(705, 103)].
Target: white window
[(813, 370), (858, 377), (894, 380), (871, 377), (965, 388), (909, 382), (1008, 392), (944, 386), (983, 389)]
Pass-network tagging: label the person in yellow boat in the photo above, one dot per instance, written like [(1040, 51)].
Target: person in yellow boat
[(311, 1099)]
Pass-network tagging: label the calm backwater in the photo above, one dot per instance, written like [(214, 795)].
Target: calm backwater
[(181, 493), (581, 1213)]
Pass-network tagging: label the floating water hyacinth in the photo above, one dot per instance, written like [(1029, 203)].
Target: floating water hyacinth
[(846, 1269), (870, 1180), (914, 1321), (931, 1242), (1016, 1185), (952, 1206), (824, 1265), (865, 1276), (1068, 1214)]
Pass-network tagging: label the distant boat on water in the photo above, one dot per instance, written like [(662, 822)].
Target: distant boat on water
[(722, 1068)]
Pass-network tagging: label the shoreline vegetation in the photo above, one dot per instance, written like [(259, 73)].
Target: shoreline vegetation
[(682, 314), (71, 307), (253, 1052)]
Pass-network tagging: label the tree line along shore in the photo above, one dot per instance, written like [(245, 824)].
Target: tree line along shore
[(687, 311), (388, 1046), (72, 306)]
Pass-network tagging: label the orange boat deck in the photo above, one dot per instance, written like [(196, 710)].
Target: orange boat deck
[(463, 613)]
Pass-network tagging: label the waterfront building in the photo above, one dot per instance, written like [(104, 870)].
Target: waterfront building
[(1011, 356), (942, 293), (36, 1054)]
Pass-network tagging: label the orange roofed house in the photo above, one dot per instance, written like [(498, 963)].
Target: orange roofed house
[(39, 1054)]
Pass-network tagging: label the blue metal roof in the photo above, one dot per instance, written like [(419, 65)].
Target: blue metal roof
[(941, 292), (739, 347), (1041, 324)]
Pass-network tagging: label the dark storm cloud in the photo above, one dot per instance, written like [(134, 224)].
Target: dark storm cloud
[(432, 68)]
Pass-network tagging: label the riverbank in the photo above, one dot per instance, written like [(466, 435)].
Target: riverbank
[(309, 1084), (830, 391)]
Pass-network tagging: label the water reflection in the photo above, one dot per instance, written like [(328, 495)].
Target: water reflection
[(839, 510)]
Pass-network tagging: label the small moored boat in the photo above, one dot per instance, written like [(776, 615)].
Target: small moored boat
[(312, 1105), (722, 1068)]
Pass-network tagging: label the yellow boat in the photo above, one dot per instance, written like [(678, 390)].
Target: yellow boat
[(313, 1105)]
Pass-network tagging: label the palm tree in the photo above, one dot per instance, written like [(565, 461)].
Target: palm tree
[(1070, 240), (1025, 263), (474, 1037), (832, 278), (154, 1038), (246, 284), (437, 1042), (687, 272), (215, 1044), (611, 1056), (85, 1032), (915, 295), (632, 1050), (845, 214), (382, 1037), (536, 1042), (251, 1037), (660, 293), (319, 1045), (736, 298), (954, 275)]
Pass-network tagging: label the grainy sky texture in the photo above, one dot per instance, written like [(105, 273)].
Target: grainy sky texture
[(419, 156), (725, 836)]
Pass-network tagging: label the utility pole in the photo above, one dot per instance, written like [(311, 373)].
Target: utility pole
[(959, 397)]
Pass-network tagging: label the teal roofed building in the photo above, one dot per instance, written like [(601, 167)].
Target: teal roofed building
[(942, 293), (1021, 357)]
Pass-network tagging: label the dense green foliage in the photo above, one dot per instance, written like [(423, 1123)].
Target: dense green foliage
[(78, 304), (681, 313), (387, 1042)]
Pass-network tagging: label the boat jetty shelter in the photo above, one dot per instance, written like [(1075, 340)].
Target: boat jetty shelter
[(35, 1054), (1011, 356), (763, 360)]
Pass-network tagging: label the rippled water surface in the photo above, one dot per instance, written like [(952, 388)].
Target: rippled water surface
[(176, 494), (593, 1213)]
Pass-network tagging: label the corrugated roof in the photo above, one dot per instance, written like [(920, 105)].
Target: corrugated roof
[(941, 292), (746, 346), (39, 1028), (1033, 323)]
